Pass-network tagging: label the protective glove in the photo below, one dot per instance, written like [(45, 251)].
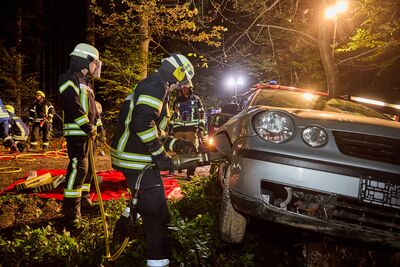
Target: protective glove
[(184, 146), (164, 163), (92, 134)]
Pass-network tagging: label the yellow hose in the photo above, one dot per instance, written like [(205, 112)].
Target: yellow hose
[(12, 169), (9, 156), (96, 183), (119, 251), (28, 156)]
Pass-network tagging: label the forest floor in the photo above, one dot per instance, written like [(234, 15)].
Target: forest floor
[(295, 248)]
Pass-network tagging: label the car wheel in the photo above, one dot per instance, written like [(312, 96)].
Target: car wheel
[(232, 224)]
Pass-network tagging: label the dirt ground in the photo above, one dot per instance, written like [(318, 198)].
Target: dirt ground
[(33, 161)]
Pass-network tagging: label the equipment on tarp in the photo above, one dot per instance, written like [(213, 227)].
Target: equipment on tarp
[(40, 183)]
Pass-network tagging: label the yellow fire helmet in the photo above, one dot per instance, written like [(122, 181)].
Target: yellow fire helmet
[(183, 70), (40, 93), (9, 108)]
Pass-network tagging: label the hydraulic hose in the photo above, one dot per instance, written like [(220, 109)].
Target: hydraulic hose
[(98, 192), (121, 248), (10, 169)]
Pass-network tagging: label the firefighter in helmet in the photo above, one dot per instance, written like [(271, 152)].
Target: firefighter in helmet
[(41, 119), (19, 131), (76, 98), (140, 139), (188, 118), (5, 121)]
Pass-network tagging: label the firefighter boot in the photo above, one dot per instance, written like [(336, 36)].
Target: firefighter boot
[(87, 205), (71, 209)]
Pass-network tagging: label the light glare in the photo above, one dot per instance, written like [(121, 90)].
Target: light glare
[(333, 11)]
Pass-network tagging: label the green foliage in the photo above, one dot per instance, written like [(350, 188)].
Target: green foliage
[(118, 31), (195, 241), (10, 59)]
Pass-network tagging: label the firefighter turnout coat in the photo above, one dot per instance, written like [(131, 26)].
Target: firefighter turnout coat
[(188, 114), (79, 115), (142, 125)]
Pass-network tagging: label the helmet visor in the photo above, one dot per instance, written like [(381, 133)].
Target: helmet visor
[(98, 64)]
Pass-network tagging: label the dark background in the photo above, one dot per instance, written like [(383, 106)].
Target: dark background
[(50, 31)]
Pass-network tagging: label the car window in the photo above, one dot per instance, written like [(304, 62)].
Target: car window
[(290, 99)]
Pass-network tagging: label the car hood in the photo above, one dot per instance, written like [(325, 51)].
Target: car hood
[(343, 117), (240, 125)]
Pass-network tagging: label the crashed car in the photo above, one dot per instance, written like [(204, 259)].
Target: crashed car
[(302, 159)]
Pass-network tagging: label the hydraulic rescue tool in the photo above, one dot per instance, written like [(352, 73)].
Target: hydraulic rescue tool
[(127, 224)]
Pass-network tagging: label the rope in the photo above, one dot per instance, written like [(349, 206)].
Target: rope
[(12, 169)]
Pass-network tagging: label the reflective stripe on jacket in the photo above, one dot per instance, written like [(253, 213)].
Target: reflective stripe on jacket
[(78, 104), (142, 124)]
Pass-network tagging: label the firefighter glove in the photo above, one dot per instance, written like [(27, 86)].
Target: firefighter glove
[(184, 146), (164, 163)]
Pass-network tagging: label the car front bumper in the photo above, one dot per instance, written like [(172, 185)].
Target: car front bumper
[(250, 169)]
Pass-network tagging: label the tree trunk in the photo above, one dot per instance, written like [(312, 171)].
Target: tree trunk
[(18, 63), (144, 45), (325, 51), (89, 23)]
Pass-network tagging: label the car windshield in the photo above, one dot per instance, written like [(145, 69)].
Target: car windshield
[(301, 100)]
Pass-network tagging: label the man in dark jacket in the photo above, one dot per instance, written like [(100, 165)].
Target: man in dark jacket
[(41, 119), (141, 140), (79, 115)]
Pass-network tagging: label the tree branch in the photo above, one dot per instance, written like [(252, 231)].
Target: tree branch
[(290, 30)]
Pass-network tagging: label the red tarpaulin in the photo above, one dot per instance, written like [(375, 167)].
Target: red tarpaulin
[(113, 186)]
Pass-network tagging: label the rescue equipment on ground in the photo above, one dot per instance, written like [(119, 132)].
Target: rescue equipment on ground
[(41, 183)]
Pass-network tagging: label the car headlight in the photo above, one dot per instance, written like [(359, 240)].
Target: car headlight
[(314, 136), (273, 126)]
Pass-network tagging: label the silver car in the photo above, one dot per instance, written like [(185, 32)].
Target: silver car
[(302, 159)]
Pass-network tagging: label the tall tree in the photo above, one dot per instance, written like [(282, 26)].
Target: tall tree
[(133, 34)]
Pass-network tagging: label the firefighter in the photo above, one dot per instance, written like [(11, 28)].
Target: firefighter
[(76, 98), (19, 131), (5, 121), (188, 119), (140, 140), (41, 119)]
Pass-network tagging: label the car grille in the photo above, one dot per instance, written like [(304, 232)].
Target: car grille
[(358, 213), (369, 147)]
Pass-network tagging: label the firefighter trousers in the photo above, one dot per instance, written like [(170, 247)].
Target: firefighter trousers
[(45, 128), (79, 176), (153, 209)]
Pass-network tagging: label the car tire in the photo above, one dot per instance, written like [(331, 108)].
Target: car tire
[(232, 224)]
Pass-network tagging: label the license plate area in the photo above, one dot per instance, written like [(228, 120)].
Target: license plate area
[(380, 192)]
